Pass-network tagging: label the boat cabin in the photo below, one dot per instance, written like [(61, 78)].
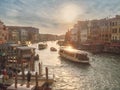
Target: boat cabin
[(42, 46), (12, 51), (74, 55), (25, 53)]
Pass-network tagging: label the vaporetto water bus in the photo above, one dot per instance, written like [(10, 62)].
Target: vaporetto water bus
[(74, 55)]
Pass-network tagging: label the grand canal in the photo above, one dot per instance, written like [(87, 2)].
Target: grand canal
[(103, 73)]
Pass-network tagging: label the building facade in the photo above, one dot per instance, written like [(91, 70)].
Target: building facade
[(101, 34), (23, 34), (3, 33), (74, 34), (115, 29)]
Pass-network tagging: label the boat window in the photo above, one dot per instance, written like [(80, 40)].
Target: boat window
[(61, 51), (69, 53), (81, 56)]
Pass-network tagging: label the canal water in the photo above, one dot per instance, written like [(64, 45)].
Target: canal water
[(103, 73)]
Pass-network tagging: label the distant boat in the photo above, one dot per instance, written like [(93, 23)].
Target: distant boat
[(53, 49), (74, 55), (42, 46), (60, 42)]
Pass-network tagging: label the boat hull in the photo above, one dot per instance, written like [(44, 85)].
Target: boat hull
[(73, 59)]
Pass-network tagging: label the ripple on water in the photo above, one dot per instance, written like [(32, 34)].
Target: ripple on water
[(103, 73)]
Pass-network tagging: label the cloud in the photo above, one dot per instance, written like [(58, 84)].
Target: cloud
[(45, 14)]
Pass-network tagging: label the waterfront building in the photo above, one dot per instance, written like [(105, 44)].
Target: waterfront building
[(115, 29), (74, 33), (95, 31), (68, 37), (105, 31), (48, 37), (3, 33), (14, 36), (83, 31), (79, 32), (23, 34), (104, 34)]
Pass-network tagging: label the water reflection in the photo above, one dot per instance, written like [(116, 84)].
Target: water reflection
[(103, 73)]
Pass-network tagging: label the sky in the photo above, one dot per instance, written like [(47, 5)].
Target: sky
[(55, 16)]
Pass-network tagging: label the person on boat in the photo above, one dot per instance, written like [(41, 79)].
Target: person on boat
[(37, 57), (5, 74), (28, 78), (10, 73)]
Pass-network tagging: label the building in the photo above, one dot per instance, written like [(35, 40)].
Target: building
[(3, 33), (79, 32), (74, 33), (115, 29), (83, 31), (23, 34), (94, 31), (105, 30)]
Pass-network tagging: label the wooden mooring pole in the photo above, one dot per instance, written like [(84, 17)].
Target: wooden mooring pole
[(16, 81), (46, 69), (47, 84), (36, 79), (40, 69), (23, 74)]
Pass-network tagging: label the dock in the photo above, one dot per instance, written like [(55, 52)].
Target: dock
[(16, 60), (37, 82)]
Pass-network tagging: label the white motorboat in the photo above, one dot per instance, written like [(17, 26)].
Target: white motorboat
[(74, 55)]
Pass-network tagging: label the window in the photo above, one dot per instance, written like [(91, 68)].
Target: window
[(69, 53), (114, 30), (115, 38), (81, 56), (3, 35)]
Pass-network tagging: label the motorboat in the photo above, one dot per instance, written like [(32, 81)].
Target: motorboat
[(53, 49), (74, 55), (42, 46)]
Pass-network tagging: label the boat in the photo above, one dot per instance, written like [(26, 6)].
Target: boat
[(42, 46), (74, 55), (36, 57), (60, 43), (53, 49)]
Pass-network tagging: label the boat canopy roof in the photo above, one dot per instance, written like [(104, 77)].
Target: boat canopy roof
[(72, 50), (25, 48), (14, 45)]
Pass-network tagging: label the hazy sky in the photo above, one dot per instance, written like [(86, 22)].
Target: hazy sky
[(55, 16)]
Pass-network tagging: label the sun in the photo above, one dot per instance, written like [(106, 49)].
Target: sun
[(69, 12)]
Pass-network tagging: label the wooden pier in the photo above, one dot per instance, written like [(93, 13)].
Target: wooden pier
[(37, 82)]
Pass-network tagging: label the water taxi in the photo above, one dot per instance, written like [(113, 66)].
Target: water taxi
[(74, 55), (53, 49), (42, 46)]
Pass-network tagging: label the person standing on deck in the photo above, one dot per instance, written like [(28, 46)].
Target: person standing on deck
[(5, 74), (28, 78)]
